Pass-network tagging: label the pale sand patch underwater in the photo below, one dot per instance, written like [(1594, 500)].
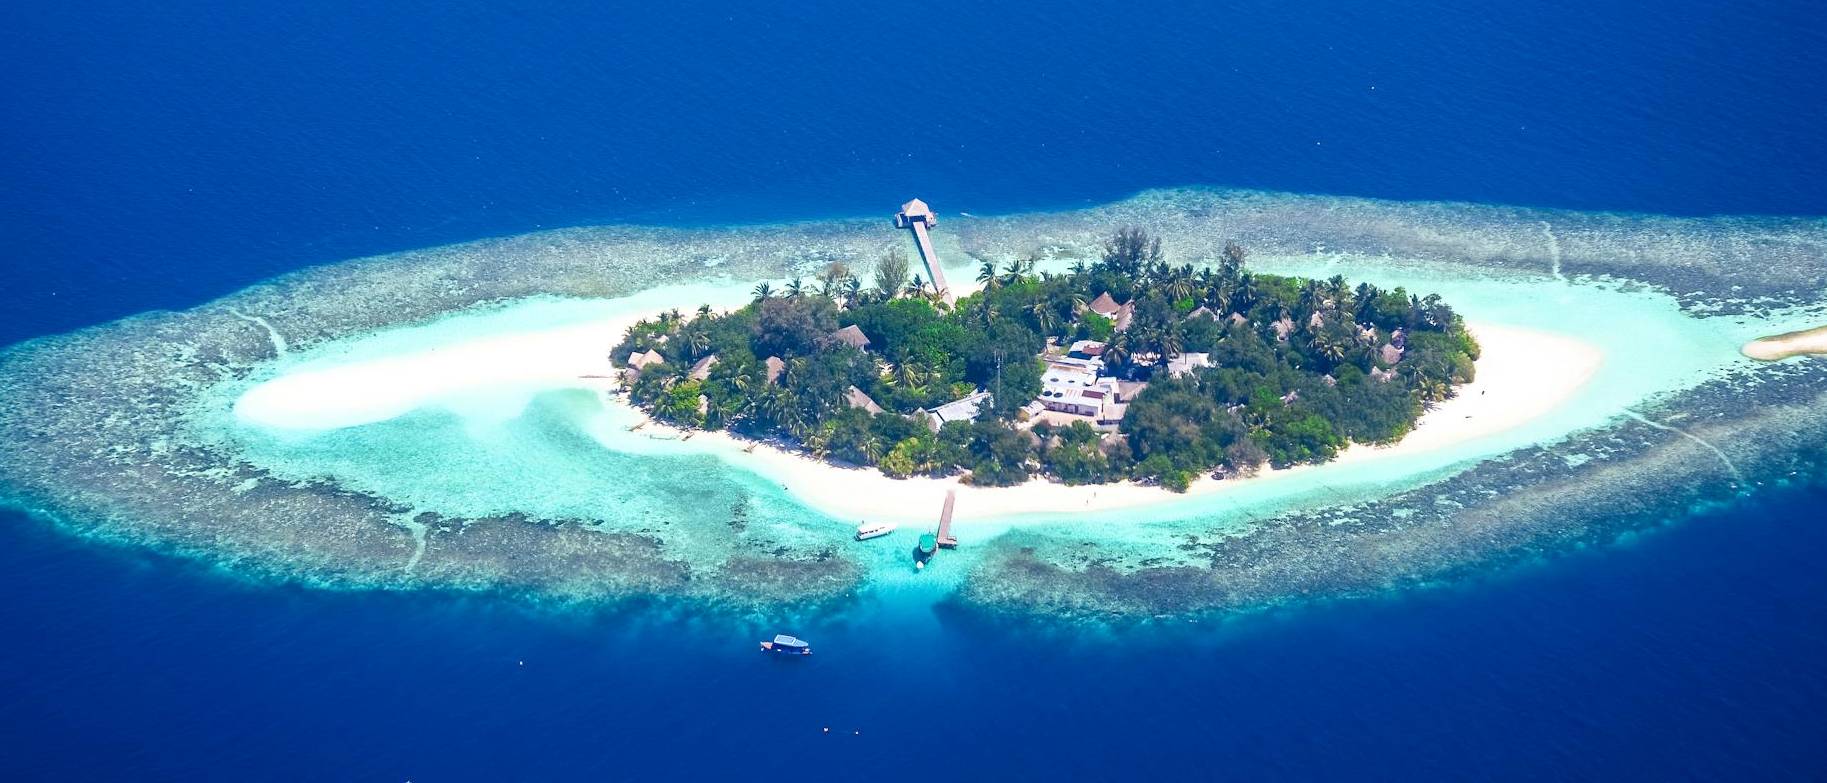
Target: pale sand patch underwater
[(1783, 346)]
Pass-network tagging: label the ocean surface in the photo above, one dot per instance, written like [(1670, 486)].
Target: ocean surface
[(157, 156)]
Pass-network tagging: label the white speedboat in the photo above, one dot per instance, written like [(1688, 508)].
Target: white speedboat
[(870, 530)]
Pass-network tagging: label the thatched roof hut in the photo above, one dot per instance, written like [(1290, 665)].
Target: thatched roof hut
[(1103, 305), (701, 369), (851, 336), (857, 399), (641, 360)]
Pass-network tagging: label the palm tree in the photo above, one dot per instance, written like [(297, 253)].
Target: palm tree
[(815, 441), (1016, 270), (1247, 294), (1366, 301), (745, 402), (704, 310), (987, 276), (1309, 301), (1042, 311), (872, 447), (773, 404), (697, 342), (1331, 350), (1180, 284), (916, 287), (1336, 289), (853, 291), (1209, 287), (1172, 342), (763, 290), (907, 374), (796, 287), (1116, 353), (793, 421), (1156, 272), (987, 311), (1433, 391)]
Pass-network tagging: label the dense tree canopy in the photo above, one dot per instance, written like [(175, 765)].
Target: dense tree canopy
[(1299, 369)]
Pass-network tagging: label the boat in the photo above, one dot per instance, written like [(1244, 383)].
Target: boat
[(929, 543), (787, 645), (869, 530)]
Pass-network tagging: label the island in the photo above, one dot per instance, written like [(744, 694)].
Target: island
[(1126, 368), (447, 419)]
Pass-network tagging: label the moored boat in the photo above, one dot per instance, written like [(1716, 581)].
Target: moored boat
[(923, 551), (870, 530), (787, 645)]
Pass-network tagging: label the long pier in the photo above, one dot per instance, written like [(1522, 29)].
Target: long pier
[(945, 522), (917, 216)]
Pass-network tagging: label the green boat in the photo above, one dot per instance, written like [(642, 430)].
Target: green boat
[(929, 544)]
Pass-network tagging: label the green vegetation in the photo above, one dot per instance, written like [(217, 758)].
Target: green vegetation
[(1297, 368)]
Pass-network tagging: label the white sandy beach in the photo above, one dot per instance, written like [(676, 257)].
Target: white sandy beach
[(1523, 374)]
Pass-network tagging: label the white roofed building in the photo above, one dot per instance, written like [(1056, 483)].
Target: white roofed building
[(1073, 387), (964, 408), (1187, 362)]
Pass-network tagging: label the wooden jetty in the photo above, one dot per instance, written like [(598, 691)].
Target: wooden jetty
[(945, 522), (917, 216)]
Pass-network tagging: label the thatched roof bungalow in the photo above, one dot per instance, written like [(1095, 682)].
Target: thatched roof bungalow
[(640, 360), (1104, 305), (851, 336), (857, 399), (701, 369)]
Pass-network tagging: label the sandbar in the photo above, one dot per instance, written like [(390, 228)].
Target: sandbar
[(1783, 346)]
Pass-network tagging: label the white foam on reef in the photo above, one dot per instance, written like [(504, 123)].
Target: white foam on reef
[(1559, 357)]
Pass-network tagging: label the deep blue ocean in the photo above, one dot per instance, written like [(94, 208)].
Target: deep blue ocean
[(160, 155)]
